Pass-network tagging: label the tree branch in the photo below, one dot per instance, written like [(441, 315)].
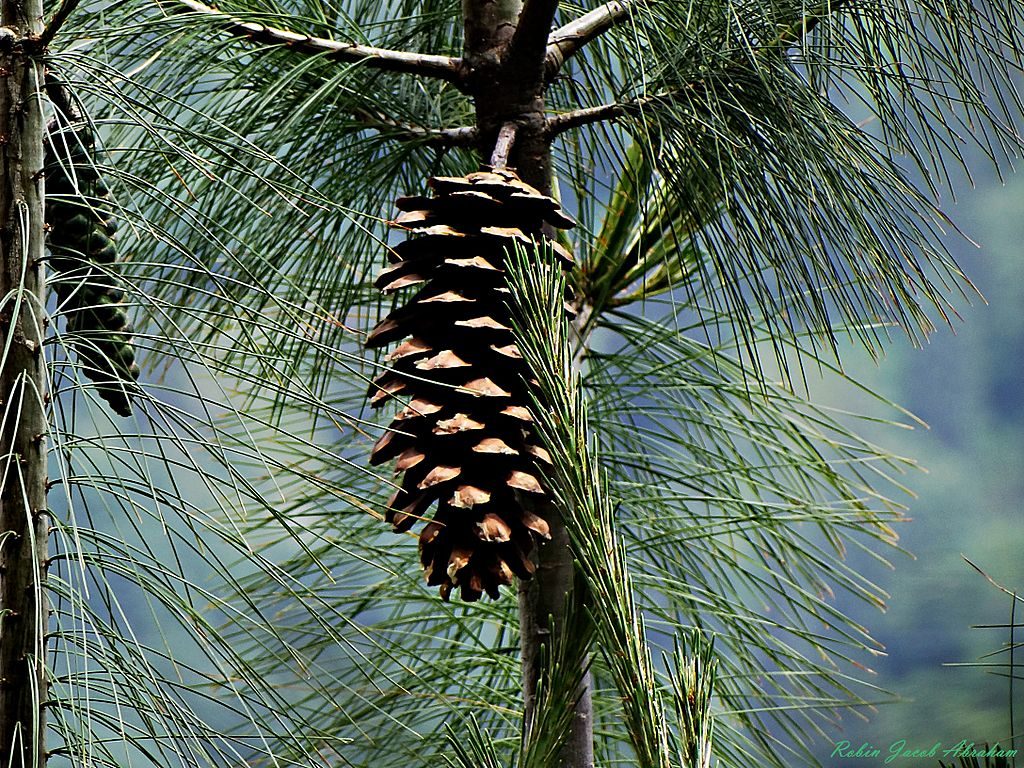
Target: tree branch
[(528, 46), (566, 121), (66, 8), (567, 40), (426, 65)]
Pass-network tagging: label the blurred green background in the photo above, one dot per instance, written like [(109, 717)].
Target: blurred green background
[(967, 384)]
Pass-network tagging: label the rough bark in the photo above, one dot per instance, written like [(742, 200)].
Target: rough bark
[(541, 609), (511, 90), (24, 521), (507, 91), (489, 25)]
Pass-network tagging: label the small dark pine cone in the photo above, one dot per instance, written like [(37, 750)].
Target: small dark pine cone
[(464, 438), (84, 256)]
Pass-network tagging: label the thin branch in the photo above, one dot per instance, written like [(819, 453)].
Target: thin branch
[(787, 37), (503, 146), (66, 8), (1012, 593), (566, 41), (427, 65), (438, 137), (566, 121)]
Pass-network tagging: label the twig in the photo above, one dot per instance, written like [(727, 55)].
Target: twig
[(439, 137), (503, 146), (566, 121), (993, 582), (567, 40), (67, 7), (424, 64)]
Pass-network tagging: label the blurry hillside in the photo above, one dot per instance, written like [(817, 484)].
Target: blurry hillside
[(968, 385)]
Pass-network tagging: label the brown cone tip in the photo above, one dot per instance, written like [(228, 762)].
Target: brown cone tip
[(463, 440)]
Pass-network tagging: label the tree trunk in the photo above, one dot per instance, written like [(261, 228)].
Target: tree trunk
[(513, 92), (24, 521), (542, 604)]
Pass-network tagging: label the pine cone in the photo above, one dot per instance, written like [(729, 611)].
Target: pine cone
[(84, 254), (465, 438)]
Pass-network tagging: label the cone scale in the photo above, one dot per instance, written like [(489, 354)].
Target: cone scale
[(463, 442)]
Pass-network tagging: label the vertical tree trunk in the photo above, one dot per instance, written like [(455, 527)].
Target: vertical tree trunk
[(542, 597), (24, 522), (513, 92)]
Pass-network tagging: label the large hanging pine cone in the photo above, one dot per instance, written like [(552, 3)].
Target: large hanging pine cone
[(84, 255), (465, 438)]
